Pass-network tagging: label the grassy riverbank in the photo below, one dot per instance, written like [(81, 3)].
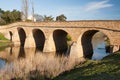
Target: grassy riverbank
[(106, 69), (4, 42), (2, 37)]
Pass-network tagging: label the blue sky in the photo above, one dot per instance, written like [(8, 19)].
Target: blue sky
[(72, 9)]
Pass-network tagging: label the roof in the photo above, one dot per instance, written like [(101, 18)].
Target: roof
[(37, 17)]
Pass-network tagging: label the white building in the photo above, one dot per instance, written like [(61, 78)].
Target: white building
[(37, 18)]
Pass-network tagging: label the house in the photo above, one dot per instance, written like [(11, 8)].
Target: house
[(37, 18)]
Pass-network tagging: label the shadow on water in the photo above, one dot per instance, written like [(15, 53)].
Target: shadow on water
[(39, 49), (59, 52), (64, 52), (21, 53)]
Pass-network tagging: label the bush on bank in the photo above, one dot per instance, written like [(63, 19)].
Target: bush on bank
[(2, 37)]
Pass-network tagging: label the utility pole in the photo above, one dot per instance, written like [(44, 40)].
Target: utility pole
[(32, 11), (25, 8)]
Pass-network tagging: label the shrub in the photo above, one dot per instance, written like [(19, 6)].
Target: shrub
[(2, 22), (40, 66), (2, 37), (69, 38), (28, 20)]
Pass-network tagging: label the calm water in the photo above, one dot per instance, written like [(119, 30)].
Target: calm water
[(99, 52), (2, 63), (10, 54), (99, 45), (13, 53)]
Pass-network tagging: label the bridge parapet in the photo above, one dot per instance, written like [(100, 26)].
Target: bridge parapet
[(108, 24)]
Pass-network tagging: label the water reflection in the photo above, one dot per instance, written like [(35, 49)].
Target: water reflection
[(21, 53), (2, 63), (10, 54), (99, 52), (14, 53), (99, 46)]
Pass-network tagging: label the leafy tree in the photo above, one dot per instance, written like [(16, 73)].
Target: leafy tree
[(5, 16), (1, 11), (2, 22), (10, 16), (17, 15), (61, 17), (48, 18)]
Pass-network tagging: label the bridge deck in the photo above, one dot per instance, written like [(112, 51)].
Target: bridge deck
[(110, 24)]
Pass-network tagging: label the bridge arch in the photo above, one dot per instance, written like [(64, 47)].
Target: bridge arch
[(86, 42), (11, 34), (39, 38), (60, 40), (22, 36)]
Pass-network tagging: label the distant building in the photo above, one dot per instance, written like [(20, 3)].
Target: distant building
[(37, 18), (23, 16)]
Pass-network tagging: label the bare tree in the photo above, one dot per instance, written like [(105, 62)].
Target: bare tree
[(25, 10), (32, 11)]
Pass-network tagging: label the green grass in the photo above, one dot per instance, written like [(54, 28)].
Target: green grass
[(4, 42), (106, 69), (2, 37)]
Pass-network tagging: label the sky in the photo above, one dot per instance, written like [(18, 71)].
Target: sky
[(72, 9)]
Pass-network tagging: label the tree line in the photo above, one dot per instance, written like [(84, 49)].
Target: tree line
[(7, 17), (61, 17), (26, 6)]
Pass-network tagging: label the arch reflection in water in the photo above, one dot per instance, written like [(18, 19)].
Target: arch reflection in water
[(21, 53), (13, 53)]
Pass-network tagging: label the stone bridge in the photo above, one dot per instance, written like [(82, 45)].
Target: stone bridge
[(51, 36)]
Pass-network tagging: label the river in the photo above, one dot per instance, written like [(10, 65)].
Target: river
[(10, 54)]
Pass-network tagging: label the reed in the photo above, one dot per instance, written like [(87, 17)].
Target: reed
[(38, 66)]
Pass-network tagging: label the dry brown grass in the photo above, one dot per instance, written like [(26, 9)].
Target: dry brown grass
[(38, 65)]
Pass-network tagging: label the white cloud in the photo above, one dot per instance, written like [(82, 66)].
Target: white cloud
[(97, 5)]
